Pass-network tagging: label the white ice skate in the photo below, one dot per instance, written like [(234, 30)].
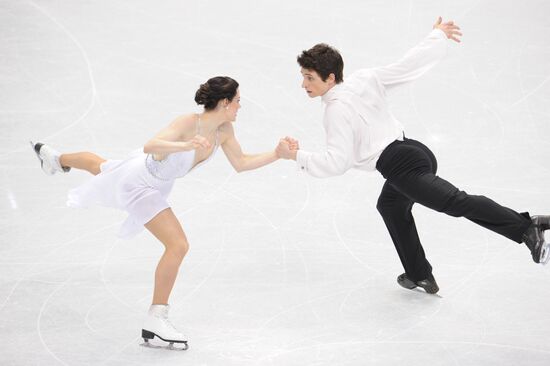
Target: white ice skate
[(157, 325), (49, 158)]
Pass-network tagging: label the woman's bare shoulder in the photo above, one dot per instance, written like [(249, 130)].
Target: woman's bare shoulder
[(186, 124), (186, 120)]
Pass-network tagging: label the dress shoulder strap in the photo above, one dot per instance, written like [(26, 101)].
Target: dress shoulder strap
[(198, 132)]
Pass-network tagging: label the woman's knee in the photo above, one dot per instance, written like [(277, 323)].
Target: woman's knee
[(95, 164), (178, 248)]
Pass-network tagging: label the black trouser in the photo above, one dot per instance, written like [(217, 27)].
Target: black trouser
[(409, 168)]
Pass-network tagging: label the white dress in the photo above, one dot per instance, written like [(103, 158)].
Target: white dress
[(138, 185)]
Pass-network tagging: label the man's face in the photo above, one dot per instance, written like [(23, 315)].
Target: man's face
[(314, 85)]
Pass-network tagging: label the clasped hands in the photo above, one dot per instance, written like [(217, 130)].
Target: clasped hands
[(287, 148)]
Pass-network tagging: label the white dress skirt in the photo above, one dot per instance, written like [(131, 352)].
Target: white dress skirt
[(138, 185)]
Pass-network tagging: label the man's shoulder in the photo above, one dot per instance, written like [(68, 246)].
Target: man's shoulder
[(362, 76), (338, 108)]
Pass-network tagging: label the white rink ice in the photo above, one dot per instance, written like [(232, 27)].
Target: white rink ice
[(284, 269)]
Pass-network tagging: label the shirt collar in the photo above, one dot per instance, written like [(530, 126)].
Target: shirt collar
[(331, 94)]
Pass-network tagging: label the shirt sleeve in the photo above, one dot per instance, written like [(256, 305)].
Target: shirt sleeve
[(416, 61), (338, 157)]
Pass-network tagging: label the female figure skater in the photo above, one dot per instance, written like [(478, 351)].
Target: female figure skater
[(141, 183)]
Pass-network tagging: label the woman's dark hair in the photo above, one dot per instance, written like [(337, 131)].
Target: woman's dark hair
[(214, 90), (324, 60)]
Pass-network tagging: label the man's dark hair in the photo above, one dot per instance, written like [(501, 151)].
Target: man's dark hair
[(324, 60)]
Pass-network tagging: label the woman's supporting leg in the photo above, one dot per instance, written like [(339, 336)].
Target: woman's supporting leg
[(166, 228), (82, 160)]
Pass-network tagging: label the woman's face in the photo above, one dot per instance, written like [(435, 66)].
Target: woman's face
[(233, 107)]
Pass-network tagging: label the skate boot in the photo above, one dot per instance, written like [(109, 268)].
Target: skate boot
[(534, 239), (429, 285), (542, 221), (157, 325), (49, 158)]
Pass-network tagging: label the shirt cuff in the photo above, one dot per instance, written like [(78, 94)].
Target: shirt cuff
[(438, 32), (301, 159)]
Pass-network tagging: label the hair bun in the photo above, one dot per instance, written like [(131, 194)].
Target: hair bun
[(201, 96), (214, 90)]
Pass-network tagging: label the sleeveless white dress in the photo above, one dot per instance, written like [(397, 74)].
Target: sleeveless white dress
[(138, 185)]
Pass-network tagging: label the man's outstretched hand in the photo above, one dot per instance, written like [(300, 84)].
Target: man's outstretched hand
[(287, 148), (450, 29), (292, 143)]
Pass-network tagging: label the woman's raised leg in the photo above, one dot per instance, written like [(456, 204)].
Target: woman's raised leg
[(82, 160)]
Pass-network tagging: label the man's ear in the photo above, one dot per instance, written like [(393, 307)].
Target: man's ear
[(331, 78)]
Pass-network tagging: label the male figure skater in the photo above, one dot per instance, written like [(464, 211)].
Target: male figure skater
[(363, 134)]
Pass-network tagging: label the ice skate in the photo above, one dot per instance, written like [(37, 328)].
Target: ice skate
[(157, 325), (49, 158), (534, 239), (429, 285), (542, 220)]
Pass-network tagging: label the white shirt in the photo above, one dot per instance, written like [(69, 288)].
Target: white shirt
[(357, 120)]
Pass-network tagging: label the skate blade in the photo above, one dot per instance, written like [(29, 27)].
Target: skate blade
[(545, 254), (406, 283), (171, 346)]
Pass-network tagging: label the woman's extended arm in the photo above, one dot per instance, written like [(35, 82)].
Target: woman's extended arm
[(239, 160), (170, 139)]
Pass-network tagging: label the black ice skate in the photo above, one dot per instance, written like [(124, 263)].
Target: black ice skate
[(429, 285), (542, 221), (534, 239)]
